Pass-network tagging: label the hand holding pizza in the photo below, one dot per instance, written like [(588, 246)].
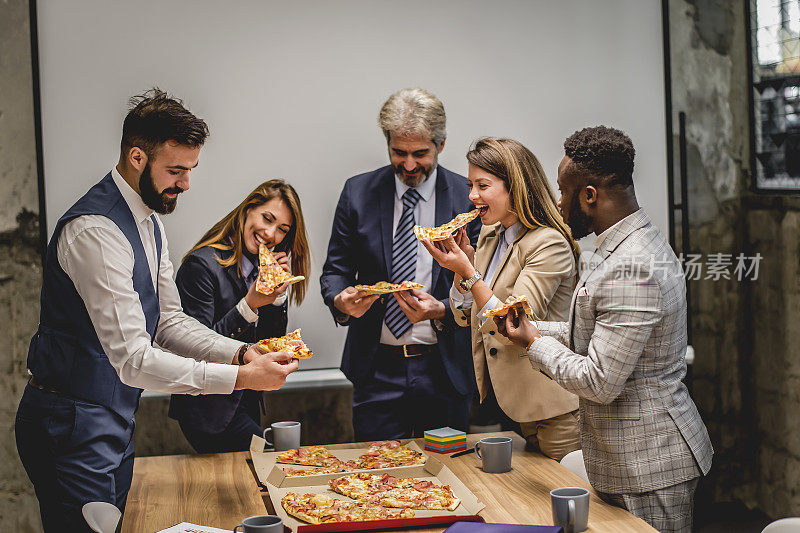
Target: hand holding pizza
[(462, 240), (517, 327), (419, 305), (451, 256), (256, 299), (266, 372), (283, 261), (354, 303)]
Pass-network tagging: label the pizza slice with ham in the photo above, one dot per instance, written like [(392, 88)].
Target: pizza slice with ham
[(387, 454), (270, 274), (322, 509), (291, 342), (308, 456), (389, 491)]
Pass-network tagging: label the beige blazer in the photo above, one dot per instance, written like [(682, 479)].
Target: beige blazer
[(540, 265)]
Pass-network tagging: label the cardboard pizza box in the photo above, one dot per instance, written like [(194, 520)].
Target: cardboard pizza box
[(278, 484), (265, 463)]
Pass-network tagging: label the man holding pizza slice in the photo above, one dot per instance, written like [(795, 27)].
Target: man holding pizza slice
[(410, 364), (107, 297)]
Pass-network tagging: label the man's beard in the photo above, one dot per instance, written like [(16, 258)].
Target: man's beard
[(416, 179), (580, 223), (159, 203)]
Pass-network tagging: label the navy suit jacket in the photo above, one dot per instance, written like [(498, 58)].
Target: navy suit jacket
[(209, 292), (360, 252)]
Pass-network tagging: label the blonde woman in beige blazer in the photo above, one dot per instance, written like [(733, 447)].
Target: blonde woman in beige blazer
[(524, 248)]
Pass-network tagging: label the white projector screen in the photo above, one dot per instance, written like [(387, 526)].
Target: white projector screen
[(293, 89)]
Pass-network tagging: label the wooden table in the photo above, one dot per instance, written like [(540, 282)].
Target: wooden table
[(219, 490)]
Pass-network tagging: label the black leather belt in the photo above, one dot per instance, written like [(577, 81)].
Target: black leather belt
[(408, 350)]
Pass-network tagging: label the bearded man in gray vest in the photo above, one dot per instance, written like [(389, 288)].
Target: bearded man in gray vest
[(107, 296)]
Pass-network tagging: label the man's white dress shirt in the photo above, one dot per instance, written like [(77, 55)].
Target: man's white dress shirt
[(99, 260), (424, 215)]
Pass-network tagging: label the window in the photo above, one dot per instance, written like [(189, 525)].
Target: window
[(775, 45)]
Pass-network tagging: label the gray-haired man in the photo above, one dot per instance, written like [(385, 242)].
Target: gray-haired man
[(410, 364)]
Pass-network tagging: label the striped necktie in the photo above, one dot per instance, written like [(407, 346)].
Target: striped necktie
[(404, 262)]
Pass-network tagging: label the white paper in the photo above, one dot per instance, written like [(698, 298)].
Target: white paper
[(186, 527)]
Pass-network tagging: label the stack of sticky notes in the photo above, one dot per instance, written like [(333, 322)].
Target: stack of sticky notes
[(445, 440)]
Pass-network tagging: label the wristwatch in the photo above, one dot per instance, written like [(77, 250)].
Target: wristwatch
[(467, 284), (240, 353)]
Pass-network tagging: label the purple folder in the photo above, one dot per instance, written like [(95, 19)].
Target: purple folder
[(480, 527)]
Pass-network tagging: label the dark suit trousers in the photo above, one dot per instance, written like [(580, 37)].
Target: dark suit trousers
[(74, 452), (405, 396), (237, 434)]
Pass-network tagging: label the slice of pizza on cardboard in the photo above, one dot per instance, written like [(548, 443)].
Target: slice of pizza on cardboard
[(520, 302), (270, 274), (291, 342)]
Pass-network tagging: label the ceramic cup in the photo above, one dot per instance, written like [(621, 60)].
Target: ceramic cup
[(570, 508), (285, 434), (495, 452), (261, 524)]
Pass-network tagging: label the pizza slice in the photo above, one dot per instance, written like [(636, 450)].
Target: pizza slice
[(270, 274), (384, 287), (335, 468), (291, 342), (321, 509), (389, 491), (308, 456), (444, 231), (520, 302), (387, 454)]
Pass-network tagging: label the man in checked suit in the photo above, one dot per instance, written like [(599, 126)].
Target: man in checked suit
[(622, 351), (411, 366)]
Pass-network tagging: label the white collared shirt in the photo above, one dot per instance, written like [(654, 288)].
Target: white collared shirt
[(424, 215), (97, 257), (464, 301)]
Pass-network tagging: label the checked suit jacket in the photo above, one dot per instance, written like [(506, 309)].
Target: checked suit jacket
[(623, 353)]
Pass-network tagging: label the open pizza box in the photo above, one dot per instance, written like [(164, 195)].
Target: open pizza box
[(278, 484)]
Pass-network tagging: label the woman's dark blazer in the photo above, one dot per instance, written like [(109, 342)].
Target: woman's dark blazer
[(209, 292)]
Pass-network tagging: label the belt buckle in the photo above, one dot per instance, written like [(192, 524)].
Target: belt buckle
[(405, 352)]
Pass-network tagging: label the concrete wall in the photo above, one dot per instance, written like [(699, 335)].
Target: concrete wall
[(20, 272), (746, 375)]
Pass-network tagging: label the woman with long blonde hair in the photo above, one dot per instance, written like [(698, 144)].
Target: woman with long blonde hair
[(216, 282), (524, 249)]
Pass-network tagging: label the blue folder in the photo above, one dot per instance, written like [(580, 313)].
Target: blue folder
[(481, 527)]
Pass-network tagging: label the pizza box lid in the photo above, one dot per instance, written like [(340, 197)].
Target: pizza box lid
[(268, 470), (433, 470)]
